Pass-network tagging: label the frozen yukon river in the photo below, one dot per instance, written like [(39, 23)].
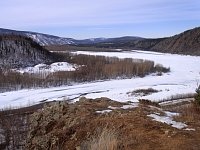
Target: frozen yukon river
[(183, 78)]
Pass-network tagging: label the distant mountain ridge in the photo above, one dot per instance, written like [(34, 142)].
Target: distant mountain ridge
[(187, 42), (45, 39)]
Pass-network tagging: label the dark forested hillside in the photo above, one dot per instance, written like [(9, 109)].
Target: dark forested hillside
[(187, 42), (19, 51)]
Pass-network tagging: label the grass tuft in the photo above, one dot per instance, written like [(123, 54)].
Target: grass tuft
[(106, 140)]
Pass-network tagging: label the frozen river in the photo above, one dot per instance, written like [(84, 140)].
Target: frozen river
[(183, 78)]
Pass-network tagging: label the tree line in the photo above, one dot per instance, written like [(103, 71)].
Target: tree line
[(90, 68)]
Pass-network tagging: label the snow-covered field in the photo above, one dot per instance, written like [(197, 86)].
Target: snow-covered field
[(183, 78)]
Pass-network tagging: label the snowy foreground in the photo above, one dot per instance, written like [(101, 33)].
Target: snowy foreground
[(183, 78)]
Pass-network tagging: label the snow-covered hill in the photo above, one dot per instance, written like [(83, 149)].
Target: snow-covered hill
[(44, 68), (42, 39)]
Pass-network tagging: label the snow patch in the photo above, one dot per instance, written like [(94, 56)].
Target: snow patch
[(168, 119), (103, 111), (130, 106), (189, 129), (49, 40), (113, 108), (43, 68), (110, 108)]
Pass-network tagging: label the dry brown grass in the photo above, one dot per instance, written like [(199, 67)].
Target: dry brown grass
[(77, 123), (61, 125), (189, 113), (105, 140), (188, 110)]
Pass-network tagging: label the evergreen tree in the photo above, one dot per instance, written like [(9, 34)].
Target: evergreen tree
[(197, 96)]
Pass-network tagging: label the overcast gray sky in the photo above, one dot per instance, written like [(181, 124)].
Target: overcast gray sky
[(101, 18)]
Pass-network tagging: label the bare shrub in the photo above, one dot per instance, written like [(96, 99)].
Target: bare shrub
[(14, 126), (160, 68), (148, 102), (143, 92)]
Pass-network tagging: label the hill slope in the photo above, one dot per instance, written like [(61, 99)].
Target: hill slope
[(187, 42), (42, 39), (19, 51)]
